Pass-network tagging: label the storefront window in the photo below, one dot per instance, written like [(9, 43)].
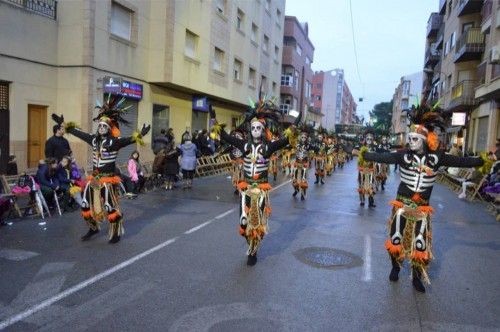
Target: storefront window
[(160, 119)]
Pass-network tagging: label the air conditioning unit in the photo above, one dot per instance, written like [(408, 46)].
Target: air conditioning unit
[(495, 55)]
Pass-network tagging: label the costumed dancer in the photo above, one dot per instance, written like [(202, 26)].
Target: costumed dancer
[(236, 156), (100, 199), (331, 156), (366, 173), (286, 160), (382, 169), (301, 163), (410, 227), (320, 158), (255, 206)]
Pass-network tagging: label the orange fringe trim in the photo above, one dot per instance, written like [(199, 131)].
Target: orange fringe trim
[(425, 209), (256, 176), (395, 250), (242, 231), (397, 204), (432, 141), (247, 209), (420, 256), (87, 214), (106, 179), (416, 198), (242, 185), (304, 185), (268, 211), (115, 132), (265, 186), (114, 216)]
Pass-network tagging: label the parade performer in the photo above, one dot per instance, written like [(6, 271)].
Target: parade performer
[(286, 160), (341, 155), (254, 188), (100, 198), (366, 173), (331, 156), (410, 228), (236, 156), (301, 164), (381, 170), (320, 158), (273, 165)]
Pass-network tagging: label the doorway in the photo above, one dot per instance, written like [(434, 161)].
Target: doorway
[(37, 134)]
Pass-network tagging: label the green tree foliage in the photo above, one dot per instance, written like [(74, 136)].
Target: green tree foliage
[(382, 117)]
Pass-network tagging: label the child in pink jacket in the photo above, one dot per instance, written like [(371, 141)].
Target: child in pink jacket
[(135, 172)]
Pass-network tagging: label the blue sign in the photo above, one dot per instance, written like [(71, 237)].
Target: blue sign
[(127, 89), (200, 103)]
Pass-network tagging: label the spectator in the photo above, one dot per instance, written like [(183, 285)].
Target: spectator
[(160, 142), (47, 177), (189, 153), (57, 146), (473, 178), (171, 165), (135, 172), (69, 179), (204, 145), (455, 151), (12, 165), (497, 151)]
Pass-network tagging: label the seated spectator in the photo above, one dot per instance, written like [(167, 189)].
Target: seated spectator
[(69, 179), (12, 165), (47, 178), (473, 178), (135, 172)]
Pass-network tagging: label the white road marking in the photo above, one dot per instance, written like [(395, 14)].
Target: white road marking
[(17, 255), (44, 304), (367, 267), (194, 229)]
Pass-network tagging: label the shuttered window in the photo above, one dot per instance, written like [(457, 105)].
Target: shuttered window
[(4, 96)]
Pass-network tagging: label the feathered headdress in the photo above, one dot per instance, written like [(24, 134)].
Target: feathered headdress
[(111, 113), (265, 111), (424, 120)]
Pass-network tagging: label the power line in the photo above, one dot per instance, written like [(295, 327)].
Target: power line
[(355, 49)]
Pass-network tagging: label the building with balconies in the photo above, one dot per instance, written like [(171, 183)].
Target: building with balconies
[(169, 59), (463, 78), (406, 93), (296, 71)]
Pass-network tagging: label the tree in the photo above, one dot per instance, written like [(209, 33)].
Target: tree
[(382, 117)]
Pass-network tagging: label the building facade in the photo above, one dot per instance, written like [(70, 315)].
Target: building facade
[(332, 97), (461, 66), (170, 59), (405, 95), (296, 72)]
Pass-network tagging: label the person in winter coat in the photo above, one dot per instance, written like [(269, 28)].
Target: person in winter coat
[(135, 172), (47, 177), (171, 165), (160, 142), (57, 146), (189, 153)]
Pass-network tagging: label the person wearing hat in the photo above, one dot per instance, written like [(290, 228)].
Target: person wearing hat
[(366, 173), (57, 146), (410, 227), (255, 207), (382, 169), (105, 143), (301, 163)]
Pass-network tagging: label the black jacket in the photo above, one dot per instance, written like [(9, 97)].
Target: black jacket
[(57, 147)]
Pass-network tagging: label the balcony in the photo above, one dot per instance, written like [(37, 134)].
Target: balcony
[(47, 8), (495, 71), (432, 56), (442, 7), (463, 96), (470, 46), (440, 37), (486, 16), (466, 7), (437, 72), (433, 24)]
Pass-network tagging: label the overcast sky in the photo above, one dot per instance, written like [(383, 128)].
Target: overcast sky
[(389, 36)]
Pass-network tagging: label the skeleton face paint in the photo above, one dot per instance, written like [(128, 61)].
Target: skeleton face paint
[(320, 138), (416, 142), (369, 140), (384, 140), (303, 137), (102, 128), (257, 129)]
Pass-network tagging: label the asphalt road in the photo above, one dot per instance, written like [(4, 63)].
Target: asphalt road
[(181, 266)]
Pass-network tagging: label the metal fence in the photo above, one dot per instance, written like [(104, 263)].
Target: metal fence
[(47, 8)]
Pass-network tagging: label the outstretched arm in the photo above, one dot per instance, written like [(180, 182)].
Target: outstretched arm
[(385, 158), (277, 145), (453, 161), (136, 137), (234, 141), (86, 137)]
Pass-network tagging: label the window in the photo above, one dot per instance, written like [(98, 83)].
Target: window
[(237, 70), (276, 53), (219, 60), (240, 19), (318, 97), (263, 84), (450, 3), (448, 82), (308, 89), (160, 119), (268, 5), (221, 6), (265, 46), (295, 103), (452, 40), (296, 80), (255, 33), (298, 49), (308, 61), (404, 104), (121, 21), (274, 88), (252, 77), (287, 80), (446, 48), (278, 15), (319, 86), (191, 43)]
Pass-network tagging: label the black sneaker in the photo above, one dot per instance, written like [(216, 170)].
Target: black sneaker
[(89, 234), (295, 193), (114, 239), (252, 260), (302, 197), (394, 276)]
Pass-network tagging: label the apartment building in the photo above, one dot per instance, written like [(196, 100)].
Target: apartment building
[(170, 59), (332, 97), (405, 95), (461, 69), (296, 72)]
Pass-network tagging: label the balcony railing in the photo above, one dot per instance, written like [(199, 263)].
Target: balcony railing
[(495, 71), (442, 7), (466, 7), (463, 95), (432, 55), (469, 46), (486, 14), (433, 24), (437, 72), (47, 8), (440, 37)]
